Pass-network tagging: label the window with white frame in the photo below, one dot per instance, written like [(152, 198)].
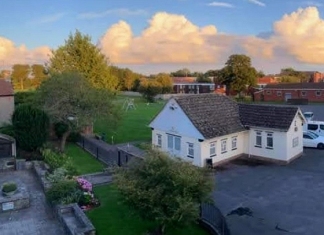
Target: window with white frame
[(318, 93), (159, 140), (270, 140), (212, 149), (174, 142), (234, 142), (279, 93), (191, 150), (295, 142), (224, 146), (258, 139)]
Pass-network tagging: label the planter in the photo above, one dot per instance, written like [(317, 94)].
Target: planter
[(9, 194), (9, 189)]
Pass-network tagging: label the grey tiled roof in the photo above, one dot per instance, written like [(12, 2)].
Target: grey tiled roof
[(268, 116), (306, 85), (212, 114)]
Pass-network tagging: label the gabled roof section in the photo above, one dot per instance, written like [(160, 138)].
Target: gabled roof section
[(305, 85), (6, 88), (212, 114), (267, 116)]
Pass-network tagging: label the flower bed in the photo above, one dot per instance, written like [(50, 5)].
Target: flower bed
[(87, 200)]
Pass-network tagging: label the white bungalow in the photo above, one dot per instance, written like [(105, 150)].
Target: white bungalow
[(212, 129)]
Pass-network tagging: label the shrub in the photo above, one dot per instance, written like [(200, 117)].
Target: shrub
[(9, 187), (62, 190), (57, 160), (60, 128), (58, 175), (31, 127), (24, 97)]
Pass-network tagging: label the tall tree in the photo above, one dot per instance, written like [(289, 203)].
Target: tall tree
[(163, 189), (288, 75), (38, 74), (203, 78), (128, 79), (78, 54), (238, 73), (166, 82), (70, 99), (181, 73), (19, 76)]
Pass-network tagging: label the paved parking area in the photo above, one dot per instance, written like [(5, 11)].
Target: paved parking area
[(38, 219), (287, 197), (317, 109)]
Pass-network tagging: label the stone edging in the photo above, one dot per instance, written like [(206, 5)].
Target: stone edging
[(71, 216)]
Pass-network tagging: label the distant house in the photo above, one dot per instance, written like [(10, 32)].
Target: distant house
[(263, 81), (7, 103), (313, 92), (188, 85), (210, 129), (313, 76)]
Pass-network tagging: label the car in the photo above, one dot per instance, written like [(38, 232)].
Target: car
[(309, 116), (316, 127), (313, 140)]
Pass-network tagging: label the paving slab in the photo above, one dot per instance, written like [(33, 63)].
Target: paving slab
[(38, 219)]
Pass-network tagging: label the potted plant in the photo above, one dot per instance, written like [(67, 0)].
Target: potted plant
[(9, 189)]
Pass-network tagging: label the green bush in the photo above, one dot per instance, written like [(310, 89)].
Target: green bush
[(63, 190), (60, 128), (31, 127), (57, 160), (9, 187), (58, 175), (24, 97)]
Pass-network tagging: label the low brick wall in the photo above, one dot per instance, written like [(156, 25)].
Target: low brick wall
[(74, 220), (40, 169), (71, 216)]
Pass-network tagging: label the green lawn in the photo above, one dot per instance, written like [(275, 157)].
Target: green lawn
[(134, 123), (82, 160), (113, 217)]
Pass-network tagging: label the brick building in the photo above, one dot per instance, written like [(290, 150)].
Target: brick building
[(188, 85), (313, 92)]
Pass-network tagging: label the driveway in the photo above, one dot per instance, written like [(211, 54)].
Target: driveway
[(287, 197), (317, 109)]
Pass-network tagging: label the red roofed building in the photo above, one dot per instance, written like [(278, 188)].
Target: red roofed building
[(263, 81), (7, 102)]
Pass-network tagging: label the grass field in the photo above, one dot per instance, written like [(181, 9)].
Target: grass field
[(134, 123), (113, 217), (82, 160)]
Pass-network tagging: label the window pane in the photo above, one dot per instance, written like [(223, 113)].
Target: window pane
[(269, 141), (223, 145), (322, 127), (212, 149), (190, 149), (177, 143), (259, 140), (170, 141)]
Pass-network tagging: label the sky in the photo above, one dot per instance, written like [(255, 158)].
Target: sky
[(167, 35)]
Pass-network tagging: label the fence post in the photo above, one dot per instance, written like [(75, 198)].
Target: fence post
[(83, 142), (126, 158), (119, 163), (97, 152)]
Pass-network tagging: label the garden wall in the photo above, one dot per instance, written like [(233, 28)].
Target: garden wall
[(71, 216)]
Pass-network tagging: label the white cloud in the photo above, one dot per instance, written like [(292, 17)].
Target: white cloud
[(257, 2), (220, 4), (48, 18), (11, 54), (313, 3), (121, 12), (301, 35)]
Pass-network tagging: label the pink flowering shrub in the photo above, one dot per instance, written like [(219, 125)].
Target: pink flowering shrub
[(84, 184)]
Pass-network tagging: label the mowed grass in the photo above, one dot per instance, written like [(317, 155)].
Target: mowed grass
[(133, 125), (114, 217), (82, 160)]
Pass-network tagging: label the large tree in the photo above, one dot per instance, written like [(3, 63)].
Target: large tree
[(290, 75), (163, 189), (70, 99), (78, 54), (166, 82), (19, 76), (38, 74), (238, 73)]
